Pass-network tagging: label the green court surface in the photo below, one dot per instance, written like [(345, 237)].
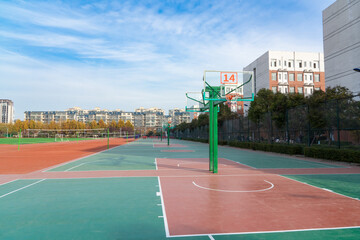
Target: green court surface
[(14, 141), (346, 184), (114, 208), (343, 234), (141, 154)]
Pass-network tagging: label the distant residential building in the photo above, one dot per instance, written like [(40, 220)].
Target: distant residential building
[(341, 35), (178, 116), (151, 118), (6, 111), (289, 72)]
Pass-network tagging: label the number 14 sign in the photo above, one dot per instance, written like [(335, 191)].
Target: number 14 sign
[(229, 78)]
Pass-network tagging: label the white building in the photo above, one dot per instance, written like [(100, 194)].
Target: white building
[(6, 111), (289, 72), (341, 35), (178, 116)]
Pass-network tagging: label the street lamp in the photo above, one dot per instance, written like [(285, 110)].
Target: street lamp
[(356, 69)]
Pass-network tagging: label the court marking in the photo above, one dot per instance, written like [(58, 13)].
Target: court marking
[(77, 159), (2, 184), (22, 188), (236, 191), (166, 226), (325, 189), (83, 164), (262, 232)]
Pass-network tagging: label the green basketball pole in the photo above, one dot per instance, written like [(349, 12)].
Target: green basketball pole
[(211, 136), (19, 140), (108, 138), (168, 134), (127, 135), (215, 141)]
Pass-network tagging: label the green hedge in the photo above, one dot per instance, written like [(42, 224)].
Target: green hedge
[(196, 140), (278, 148), (343, 155)]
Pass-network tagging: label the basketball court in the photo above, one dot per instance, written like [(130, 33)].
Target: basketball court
[(148, 190)]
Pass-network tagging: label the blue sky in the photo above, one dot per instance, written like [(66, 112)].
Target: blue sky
[(125, 54)]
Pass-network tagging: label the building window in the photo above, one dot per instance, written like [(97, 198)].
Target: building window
[(304, 64), (305, 77), (284, 63), (274, 89), (273, 63), (273, 76), (285, 76), (310, 76), (316, 64), (299, 64), (279, 76), (300, 90), (299, 77), (317, 77), (292, 89), (279, 63), (317, 89), (291, 77)]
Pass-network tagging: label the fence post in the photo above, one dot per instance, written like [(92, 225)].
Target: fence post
[(271, 129), (309, 126), (287, 126), (338, 122)]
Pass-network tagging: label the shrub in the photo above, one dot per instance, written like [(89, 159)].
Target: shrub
[(343, 155)]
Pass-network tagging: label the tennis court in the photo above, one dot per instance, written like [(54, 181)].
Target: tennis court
[(148, 190)]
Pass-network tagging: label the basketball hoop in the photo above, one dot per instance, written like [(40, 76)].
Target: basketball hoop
[(232, 97)]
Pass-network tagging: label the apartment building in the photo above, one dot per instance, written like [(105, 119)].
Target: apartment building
[(178, 116), (6, 111), (289, 72), (151, 118), (341, 36)]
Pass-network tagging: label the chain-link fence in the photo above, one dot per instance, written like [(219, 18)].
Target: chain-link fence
[(334, 123)]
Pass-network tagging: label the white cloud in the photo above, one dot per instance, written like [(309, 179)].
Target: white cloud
[(125, 56)]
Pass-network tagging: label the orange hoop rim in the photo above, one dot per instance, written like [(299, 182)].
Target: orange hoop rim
[(229, 97)]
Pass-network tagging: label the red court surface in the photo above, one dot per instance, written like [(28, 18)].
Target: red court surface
[(177, 150), (248, 201), (164, 145), (32, 157)]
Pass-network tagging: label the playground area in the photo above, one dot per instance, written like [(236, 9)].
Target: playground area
[(146, 189)]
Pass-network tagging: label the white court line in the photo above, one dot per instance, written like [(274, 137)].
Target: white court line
[(82, 164), (22, 188), (211, 237), (77, 159), (234, 191), (261, 232), (240, 163), (328, 190), (9, 182), (156, 167), (163, 209)]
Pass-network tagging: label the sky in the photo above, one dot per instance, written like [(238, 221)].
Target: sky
[(56, 54)]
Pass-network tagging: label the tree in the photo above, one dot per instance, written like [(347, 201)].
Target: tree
[(261, 105), (101, 124), (203, 119), (120, 124), (93, 124), (129, 126), (113, 126), (32, 124)]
